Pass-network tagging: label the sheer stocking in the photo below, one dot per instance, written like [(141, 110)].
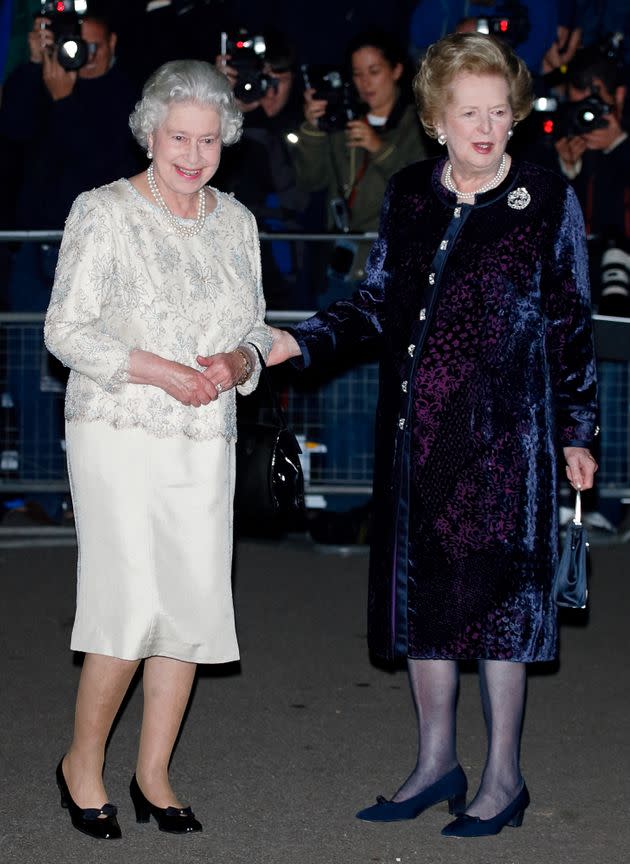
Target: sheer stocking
[(503, 686), (103, 684), (434, 687), (167, 684)]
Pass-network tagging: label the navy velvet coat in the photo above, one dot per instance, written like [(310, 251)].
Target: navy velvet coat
[(486, 370)]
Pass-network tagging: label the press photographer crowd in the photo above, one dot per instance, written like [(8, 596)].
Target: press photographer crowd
[(328, 118)]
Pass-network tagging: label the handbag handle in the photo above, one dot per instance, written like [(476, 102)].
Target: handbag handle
[(577, 519), (277, 414)]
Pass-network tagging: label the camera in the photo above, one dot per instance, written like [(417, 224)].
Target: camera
[(343, 103), (247, 56), (586, 115), (510, 22), (72, 49), (570, 119)]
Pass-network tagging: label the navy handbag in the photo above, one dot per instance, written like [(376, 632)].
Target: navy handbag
[(570, 584)]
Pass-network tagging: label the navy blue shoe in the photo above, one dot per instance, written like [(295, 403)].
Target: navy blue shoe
[(452, 788), (473, 826)]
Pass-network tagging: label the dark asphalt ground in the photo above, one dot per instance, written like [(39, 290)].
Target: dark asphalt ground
[(279, 751)]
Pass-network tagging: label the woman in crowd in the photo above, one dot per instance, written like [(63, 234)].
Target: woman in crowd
[(353, 164), (477, 290), (157, 291)]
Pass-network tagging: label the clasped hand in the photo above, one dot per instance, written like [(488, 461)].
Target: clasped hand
[(189, 386), (192, 387)]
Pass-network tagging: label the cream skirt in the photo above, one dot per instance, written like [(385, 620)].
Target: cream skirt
[(154, 528)]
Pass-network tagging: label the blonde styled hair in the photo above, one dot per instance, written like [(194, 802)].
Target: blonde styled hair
[(476, 54)]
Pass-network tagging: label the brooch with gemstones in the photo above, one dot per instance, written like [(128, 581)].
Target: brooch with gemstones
[(519, 198)]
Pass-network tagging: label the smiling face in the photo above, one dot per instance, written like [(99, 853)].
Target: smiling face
[(376, 79), (186, 148), (476, 122)]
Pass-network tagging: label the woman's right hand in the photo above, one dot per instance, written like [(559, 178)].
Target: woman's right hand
[(283, 348), (189, 386), (313, 108)]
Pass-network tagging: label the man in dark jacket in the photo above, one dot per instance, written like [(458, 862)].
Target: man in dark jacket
[(61, 132)]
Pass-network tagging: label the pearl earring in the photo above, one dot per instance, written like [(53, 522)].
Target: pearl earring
[(510, 133), (442, 139), (149, 153)]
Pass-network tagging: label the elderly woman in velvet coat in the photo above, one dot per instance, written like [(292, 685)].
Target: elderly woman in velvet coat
[(477, 291)]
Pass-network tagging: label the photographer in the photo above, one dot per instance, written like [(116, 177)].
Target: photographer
[(62, 131), (259, 169), (260, 164), (596, 157), (66, 129), (349, 149), (352, 159)]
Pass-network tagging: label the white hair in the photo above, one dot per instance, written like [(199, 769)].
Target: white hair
[(185, 81)]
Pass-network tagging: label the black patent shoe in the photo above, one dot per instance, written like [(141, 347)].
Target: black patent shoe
[(100, 824), (474, 826), (173, 820)]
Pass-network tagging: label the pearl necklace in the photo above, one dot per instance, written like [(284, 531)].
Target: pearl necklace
[(174, 221), (448, 182)]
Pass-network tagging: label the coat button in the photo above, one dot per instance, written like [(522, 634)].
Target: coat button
[(403, 386), (411, 349), (431, 278), (458, 212), (423, 314), (401, 423), (443, 245)]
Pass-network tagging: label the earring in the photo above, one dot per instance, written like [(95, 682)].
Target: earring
[(510, 133), (442, 139), (149, 153)]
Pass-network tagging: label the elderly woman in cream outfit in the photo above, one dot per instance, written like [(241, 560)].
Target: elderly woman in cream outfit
[(156, 298)]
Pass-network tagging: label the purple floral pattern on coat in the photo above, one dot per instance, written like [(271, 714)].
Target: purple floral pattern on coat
[(487, 369)]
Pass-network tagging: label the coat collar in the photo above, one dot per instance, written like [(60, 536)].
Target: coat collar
[(450, 199)]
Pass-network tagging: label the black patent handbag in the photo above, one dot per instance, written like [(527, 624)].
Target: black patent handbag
[(570, 586), (269, 478)]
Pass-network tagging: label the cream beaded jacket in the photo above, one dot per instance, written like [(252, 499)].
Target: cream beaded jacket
[(125, 280)]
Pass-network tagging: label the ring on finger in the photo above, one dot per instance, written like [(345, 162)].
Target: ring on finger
[(219, 387)]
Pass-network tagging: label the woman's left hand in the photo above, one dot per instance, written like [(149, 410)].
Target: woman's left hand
[(581, 467), (224, 370), (360, 134)]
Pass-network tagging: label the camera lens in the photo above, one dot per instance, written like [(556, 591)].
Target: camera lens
[(587, 118), (72, 53)]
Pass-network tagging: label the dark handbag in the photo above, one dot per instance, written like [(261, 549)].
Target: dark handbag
[(269, 478), (569, 584)]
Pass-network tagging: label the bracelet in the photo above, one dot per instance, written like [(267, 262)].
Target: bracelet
[(248, 366)]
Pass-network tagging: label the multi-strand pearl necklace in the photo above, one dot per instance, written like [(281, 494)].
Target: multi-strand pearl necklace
[(448, 181), (174, 221)]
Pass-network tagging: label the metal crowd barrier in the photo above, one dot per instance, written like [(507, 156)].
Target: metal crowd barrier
[(334, 419)]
